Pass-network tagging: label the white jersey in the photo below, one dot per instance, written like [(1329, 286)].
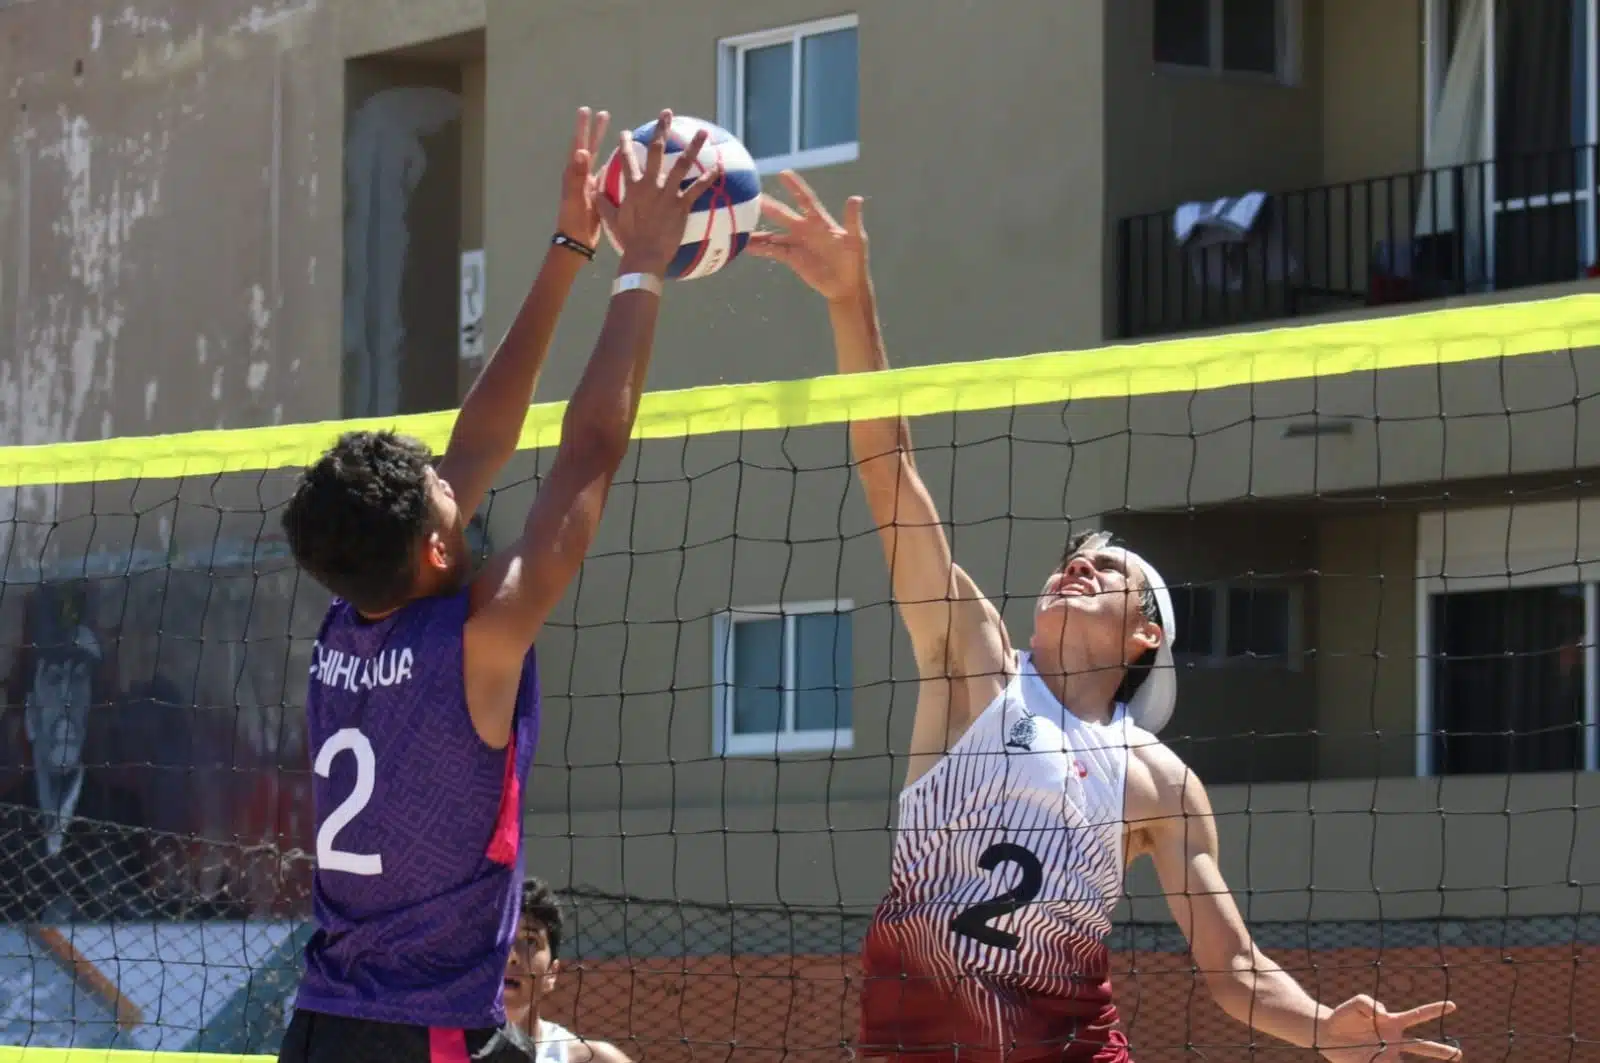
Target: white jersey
[(554, 1042), (549, 1044), (1008, 865)]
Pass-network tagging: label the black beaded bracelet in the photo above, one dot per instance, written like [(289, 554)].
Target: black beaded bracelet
[(563, 240)]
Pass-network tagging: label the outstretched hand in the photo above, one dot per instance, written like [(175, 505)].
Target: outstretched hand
[(579, 216), (830, 257), (1362, 1030), (650, 222)]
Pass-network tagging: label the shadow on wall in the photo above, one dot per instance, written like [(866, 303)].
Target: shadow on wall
[(391, 232)]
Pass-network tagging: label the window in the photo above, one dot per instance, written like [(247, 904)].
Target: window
[(1195, 610), (1508, 610), (783, 678), (1508, 680), (1259, 622), (1257, 37), (1222, 624), (792, 94)]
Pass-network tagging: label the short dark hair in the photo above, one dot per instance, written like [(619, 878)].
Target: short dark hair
[(1149, 608), (540, 908), (359, 516)]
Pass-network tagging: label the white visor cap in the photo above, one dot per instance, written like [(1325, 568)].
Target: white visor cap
[(1152, 704)]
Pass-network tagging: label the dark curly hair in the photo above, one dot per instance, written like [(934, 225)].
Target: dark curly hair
[(359, 515), (1149, 608), (540, 908)]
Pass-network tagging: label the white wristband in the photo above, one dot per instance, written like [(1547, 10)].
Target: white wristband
[(636, 282)]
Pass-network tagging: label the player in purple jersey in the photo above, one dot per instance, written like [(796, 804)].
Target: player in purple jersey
[(423, 708)]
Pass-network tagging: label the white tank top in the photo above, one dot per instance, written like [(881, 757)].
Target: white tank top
[(1013, 841), (554, 1042)]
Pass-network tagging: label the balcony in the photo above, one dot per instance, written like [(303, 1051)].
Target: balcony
[(1490, 226)]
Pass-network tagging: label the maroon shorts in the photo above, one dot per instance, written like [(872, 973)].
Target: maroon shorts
[(974, 1019)]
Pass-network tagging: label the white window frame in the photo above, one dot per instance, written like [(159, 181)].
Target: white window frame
[(1217, 657), (1291, 22), (730, 91), (727, 744), (1469, 550)]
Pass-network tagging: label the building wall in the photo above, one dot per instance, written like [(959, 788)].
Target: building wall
[(1241, 720), (1367, 612), (1000, 255), (630, 712), (1373, 88), (148, 286), (1474, 415), (1172, 136), (1175, 136), (696, 527), (1365, 850), (474, 160), (1372, 135), (171, 217), (171, 258), (404, 202), (171, 211), (156, 263), (1340, 146)]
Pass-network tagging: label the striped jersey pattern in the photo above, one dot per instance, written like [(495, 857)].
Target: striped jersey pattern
[(991, 943)]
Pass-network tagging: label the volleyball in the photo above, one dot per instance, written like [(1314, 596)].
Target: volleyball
[(723, 217)]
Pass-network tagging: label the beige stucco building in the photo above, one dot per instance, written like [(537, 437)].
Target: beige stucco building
[(221, 214)]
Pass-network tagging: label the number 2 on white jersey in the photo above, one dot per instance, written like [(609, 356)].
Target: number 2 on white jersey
[(329, 857)]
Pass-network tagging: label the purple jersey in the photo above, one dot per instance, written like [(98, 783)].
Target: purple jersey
[(419, 824)]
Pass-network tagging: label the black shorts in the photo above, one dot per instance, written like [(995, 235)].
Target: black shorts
[(313, 1037)]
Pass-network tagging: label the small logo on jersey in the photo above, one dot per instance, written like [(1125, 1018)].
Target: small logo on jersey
[(1022, 734), (1078, 768)]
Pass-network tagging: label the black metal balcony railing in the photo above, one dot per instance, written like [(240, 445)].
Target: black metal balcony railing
[(1509, 223)]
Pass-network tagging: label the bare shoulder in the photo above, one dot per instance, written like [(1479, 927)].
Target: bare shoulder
[(1160, 786)]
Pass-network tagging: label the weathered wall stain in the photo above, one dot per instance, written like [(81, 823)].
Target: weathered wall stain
[(159, 227)]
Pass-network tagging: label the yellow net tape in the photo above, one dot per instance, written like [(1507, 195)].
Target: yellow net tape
[(116, 1055), (1440, 337)]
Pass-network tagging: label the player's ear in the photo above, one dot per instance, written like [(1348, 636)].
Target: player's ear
[(550, 973), (1147, 636), (436, 551)]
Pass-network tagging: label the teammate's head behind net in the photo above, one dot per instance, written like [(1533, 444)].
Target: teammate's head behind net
[(536, 959)]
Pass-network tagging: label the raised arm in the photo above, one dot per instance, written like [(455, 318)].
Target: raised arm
[(1181, 837), (490, 423), (520, 586), (938, 601)]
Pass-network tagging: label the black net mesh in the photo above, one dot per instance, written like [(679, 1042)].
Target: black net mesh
[(1373, 572)]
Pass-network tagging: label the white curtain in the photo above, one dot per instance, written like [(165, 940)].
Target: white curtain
[(1457, 138)]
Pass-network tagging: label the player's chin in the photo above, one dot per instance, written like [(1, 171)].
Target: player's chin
[(517, 993), (1046, 604), (1054, 611)]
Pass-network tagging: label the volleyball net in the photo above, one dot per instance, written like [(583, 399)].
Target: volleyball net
[(1382, 541)]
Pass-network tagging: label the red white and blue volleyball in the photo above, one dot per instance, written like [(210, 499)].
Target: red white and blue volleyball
[(723, 217)]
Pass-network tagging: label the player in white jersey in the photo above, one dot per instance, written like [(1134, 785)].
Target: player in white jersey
[(1034, 777), (531, 974)]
